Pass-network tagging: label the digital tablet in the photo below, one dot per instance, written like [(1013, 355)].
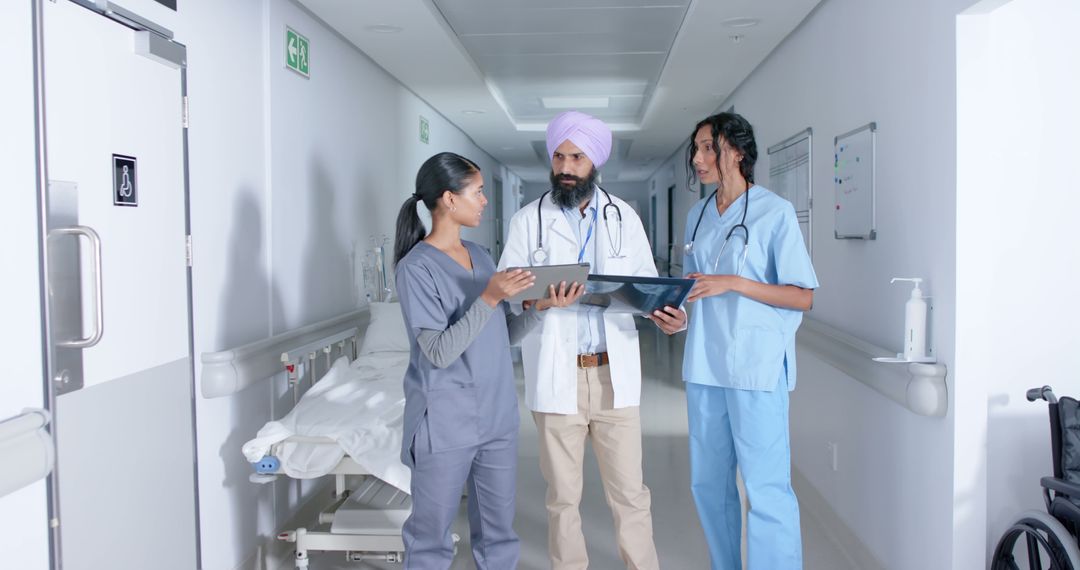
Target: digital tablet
[(635, 295), (548, 275)]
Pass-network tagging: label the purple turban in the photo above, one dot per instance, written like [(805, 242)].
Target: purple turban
[(590, 134)]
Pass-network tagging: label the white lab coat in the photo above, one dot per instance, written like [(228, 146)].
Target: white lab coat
[(549, 352)]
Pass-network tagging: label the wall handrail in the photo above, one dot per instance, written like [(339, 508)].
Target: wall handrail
[(27, 450), (229, 371), (918, 387)]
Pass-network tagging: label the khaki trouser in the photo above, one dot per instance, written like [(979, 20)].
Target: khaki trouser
[(616, 439)]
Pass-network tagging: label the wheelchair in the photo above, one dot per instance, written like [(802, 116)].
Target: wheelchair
[(1048, 540)]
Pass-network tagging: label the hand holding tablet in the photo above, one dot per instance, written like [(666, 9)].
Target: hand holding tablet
[(548, 276), (563, 296), (505, 284)]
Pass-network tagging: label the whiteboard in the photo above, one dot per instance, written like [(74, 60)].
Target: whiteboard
[(854, 183), (791, 176)]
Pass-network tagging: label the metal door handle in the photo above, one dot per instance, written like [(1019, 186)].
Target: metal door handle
[(99, 324)]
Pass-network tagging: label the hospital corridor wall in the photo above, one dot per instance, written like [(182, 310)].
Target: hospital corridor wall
[(24, 539), (324, 163), (1016, 318), (849, 63), (975, 128), (290, 177)]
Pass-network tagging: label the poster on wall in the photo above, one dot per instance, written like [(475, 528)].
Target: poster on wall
[(791, 176)]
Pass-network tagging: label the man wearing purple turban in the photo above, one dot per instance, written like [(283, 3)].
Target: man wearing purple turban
[(583, 366)]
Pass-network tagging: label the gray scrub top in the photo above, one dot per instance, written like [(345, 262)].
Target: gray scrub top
[(473, 399)]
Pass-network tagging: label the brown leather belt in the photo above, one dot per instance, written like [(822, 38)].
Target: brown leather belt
[(592, 360)]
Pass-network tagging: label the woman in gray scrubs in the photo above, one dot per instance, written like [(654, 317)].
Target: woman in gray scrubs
[(461, 412)]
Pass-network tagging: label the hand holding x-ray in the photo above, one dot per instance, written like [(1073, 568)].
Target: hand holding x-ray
[(669, 319), (711, 285), (635, 295)]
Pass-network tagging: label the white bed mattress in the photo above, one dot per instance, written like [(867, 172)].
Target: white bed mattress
[(360, 405)]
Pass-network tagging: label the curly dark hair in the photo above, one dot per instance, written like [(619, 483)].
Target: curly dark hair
[(738, 134)]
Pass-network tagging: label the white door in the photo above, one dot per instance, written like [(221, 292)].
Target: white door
[(119, 321)]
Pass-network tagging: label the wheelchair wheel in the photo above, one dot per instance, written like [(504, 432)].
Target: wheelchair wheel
[(1036, 541)]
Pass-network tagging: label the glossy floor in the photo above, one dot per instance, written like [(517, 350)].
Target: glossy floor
[(678, 536)]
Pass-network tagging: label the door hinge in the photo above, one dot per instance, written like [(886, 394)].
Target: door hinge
[(185, 117), (187, 240)]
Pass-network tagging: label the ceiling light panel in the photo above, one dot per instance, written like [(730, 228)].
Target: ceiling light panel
[(575, 102), (619, 109), (641, 67), (560, 49), (740, 22), (383, 28), (565, 43), (468, 17)]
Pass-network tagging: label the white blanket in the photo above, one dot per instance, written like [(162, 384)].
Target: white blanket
[(360, 406)]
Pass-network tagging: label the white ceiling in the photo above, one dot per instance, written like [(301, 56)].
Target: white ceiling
[(660, 65), (530, 49)]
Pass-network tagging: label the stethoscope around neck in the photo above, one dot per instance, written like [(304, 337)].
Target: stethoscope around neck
[(539, 256), (688, 249)]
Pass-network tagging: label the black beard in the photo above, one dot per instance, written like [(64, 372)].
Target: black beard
[(568, 197)]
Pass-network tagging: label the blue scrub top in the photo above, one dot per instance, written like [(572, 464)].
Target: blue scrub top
[(734, 341), (473, 400)]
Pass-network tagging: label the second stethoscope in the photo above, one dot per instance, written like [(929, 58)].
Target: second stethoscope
[(688, 249), (539, 256)]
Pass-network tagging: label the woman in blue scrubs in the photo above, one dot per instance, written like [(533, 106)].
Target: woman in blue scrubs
[(461, 412), (754, 281)]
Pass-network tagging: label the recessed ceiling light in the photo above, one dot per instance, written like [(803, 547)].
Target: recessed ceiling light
[(741, 22), (574, 102), (472, 112), (383, 29)]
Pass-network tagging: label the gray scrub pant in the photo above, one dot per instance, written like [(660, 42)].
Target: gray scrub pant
[(490, 470)]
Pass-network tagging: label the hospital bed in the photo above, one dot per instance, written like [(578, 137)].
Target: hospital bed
[(345, 425)]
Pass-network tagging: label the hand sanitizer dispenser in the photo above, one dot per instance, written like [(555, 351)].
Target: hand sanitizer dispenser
[(914, 322)]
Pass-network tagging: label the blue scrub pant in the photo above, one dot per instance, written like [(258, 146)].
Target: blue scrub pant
[(490, 470), (748, 428)]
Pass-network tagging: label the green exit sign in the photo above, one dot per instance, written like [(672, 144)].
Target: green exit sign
[(425, 130), (297, 52)]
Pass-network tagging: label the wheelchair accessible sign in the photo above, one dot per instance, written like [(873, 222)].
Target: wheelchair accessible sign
[(125, 190), (297, 51)]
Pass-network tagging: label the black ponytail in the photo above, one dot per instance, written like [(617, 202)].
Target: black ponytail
[(443, 172), (410, 230)]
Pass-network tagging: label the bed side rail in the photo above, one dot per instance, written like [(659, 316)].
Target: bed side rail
[(26, 449), (229, 371)]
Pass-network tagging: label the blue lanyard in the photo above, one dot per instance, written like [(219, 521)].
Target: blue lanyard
[(588, 236)]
